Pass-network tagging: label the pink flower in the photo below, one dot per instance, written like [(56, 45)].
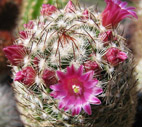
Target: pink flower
[(23, 34), (106, 36), (85, 14), (26, 76), (15, 54), (70, 7), (49, 77), (29, 25), (114, 56), (76, 90), (115, 11), (48, 9)]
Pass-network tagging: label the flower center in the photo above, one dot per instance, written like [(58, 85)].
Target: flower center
[(76, 89)]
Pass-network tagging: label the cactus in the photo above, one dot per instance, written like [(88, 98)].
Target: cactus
[(71, 68)]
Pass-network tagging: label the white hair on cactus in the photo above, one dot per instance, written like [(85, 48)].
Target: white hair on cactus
[(75, 63), (56, 14), (27, 61), (44, 116), (90, 22), (78, 13), (102, 28), (38, 80), (42, 64), (69, 15), (34, 47), (26, 42), (65, 117), (15, 69), (97, 15), (33, 106), (54, 59), (80, 54), (38, 32), (61, 23), (99, 44), (41, 47), (55, 109)]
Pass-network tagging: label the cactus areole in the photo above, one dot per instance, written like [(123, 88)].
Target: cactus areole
[(71, 68)]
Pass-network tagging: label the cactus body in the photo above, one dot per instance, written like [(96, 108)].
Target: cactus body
[(70, 47)]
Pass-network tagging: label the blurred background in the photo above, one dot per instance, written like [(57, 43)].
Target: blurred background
[(14, 13)]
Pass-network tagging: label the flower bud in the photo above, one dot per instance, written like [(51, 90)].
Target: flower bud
[(26, 76), (29, 25), (15, 54), (48, 9), (49, 77), (69, 7), (114, 56)]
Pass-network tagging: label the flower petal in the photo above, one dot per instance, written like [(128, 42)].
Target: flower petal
[(61, 75), (80, 71), (61, 105), (56, 87), (87, 109), (76, 110), (91, 83), (97, 90), (58, 94), (95, 100), (88, 76)]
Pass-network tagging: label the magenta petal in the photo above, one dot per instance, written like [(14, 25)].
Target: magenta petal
[(73, 111), (76, 110), (58, 94), (97, 90), (91, 84), (95, 100), (87, 109), (61, 75), (78, 101), (66, 108), (71, 70), (88, 76), (61, 105), (53, 94), (56, 87), (87, 94), (70, 103), (80, 71), (71, 100)]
